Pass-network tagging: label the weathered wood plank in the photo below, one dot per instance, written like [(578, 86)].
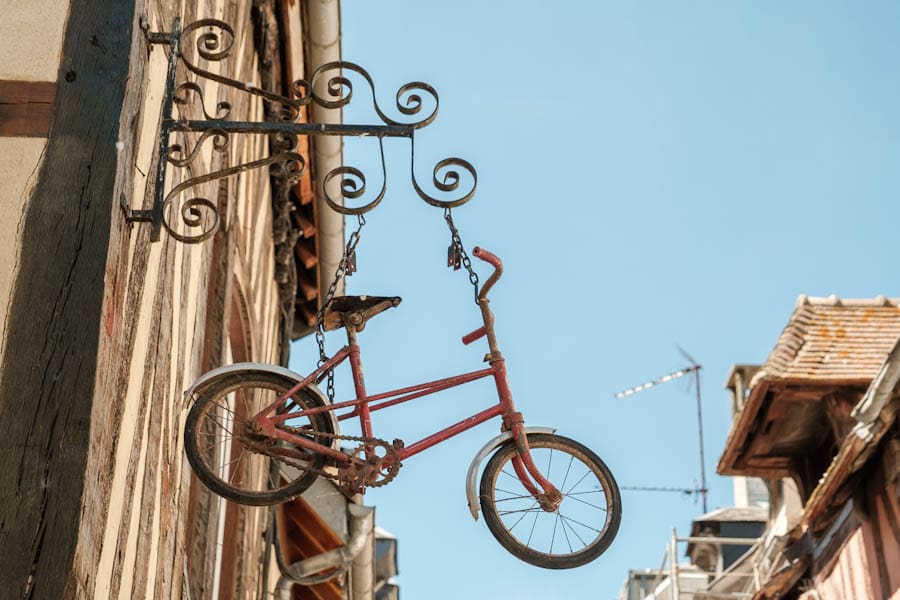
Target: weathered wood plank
[(50, 368), (26, 108)]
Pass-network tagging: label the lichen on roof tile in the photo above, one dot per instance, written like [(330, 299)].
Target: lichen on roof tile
[(834, 339)]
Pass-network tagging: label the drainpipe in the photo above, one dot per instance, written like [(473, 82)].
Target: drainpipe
[(324, 19), (355, 553), (362, 572)]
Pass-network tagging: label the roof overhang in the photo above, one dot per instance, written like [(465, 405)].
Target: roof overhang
[(830, 346), (875, 413), (777, 420)]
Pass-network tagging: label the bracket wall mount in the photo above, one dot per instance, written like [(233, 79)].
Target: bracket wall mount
[(209, 41)]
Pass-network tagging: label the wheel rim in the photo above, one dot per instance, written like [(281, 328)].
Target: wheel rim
[(582, 519), (234, 456)]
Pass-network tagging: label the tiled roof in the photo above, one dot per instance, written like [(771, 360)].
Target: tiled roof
[(831, 340), (735, 514)]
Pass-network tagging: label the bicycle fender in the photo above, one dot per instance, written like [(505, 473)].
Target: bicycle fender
[(267, 368), (472, 475)]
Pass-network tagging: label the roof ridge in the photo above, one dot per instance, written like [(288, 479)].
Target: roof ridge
[(834, 300)]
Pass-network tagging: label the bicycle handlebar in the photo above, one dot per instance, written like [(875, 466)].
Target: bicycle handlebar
[(488, 328), (498, 270)]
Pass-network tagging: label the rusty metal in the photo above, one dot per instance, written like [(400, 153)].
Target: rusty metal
[(547, 495), (212, 41), (357, 469), (456, 253), (346, 266)]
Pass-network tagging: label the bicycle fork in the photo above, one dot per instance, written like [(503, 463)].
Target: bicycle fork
[(547, 496)]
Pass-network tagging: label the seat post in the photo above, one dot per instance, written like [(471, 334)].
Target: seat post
[(351, 335), (359, 383)]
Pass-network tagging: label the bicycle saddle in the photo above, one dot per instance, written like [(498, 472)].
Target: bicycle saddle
[(355, 310)]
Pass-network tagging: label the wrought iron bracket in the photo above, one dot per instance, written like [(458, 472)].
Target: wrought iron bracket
[(328, 87)]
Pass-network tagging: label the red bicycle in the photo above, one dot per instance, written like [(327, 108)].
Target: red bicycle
[(260, 435)]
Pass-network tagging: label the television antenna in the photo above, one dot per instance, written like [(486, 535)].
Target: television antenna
[(692, 369)]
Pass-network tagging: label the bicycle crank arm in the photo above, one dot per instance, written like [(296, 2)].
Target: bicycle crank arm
[(472, 475)]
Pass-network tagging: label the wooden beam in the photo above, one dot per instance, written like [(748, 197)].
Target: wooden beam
[(26, 108), (305, 223), (55, 332), (307, 257), (307, 287)]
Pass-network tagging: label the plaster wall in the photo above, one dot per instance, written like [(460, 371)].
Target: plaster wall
[(31, 40), (849, 577), (18, 169), (30, 47)]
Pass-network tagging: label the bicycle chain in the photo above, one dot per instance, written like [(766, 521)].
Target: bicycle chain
[(352, 486)]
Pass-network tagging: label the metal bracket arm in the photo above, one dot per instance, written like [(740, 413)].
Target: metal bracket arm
[(196, 218)]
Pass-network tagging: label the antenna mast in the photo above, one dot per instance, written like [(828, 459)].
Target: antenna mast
[(693, 369)]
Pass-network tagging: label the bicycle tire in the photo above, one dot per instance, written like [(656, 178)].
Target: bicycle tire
[(578, 500), (206, 438)]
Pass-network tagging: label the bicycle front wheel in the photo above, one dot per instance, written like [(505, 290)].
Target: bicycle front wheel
[(582, 526), (236, 462)]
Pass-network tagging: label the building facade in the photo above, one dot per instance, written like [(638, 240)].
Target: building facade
[(819, 425), (816, 427), (102, 328)]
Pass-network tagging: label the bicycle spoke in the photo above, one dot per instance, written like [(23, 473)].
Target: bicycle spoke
[(533, 508), (227, 467), (514, 497), (553, 537), (569, 468), (566, 534), (577, 482), (578, 522), (224, 407), (522, 517), (222, 426), (566, 522), (215, 446), (587, 492), (588, 503), (516, 477), (532, 528), (573, 531)]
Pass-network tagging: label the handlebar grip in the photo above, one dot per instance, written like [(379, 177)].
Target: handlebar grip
[(471, 337), (487, 257), (498, 270)]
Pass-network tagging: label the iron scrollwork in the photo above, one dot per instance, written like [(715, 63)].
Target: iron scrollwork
[(329, 86)]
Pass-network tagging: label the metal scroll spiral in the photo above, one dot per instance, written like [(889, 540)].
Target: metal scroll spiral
[(213, 40), (353, 187), (445, 177), (180, 97), (180, 158), (200, 216), (214, 43), (410, 101), (339, 91)]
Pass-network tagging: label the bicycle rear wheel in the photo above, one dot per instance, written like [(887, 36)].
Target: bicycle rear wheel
[(582, 526), (238, 464)]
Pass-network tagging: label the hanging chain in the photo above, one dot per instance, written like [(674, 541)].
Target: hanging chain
[(346, 267), (456, 253)]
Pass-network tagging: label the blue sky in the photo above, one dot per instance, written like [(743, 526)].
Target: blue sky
[(652, 174)]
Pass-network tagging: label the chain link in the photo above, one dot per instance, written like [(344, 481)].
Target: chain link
[(345, 267), (456, 242)]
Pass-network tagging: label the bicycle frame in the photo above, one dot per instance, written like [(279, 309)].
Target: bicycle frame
[(363, 405)]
